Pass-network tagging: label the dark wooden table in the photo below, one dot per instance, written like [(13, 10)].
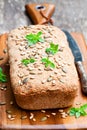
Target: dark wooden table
[(69, 14)]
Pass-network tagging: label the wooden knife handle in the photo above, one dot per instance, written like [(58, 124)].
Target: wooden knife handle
[(3, 49), (83, 76), (40, 13)]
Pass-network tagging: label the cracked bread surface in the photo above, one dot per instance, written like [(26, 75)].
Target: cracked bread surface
[(36, 86)]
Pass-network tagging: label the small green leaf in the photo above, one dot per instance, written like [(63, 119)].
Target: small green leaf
[(77, 112), (27, 61), (2, 76), (84, 106), (52, 49), (34, 38), (47, 62)]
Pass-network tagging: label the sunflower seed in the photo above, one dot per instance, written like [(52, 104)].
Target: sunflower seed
[(12, 118), (5, 51), (2, 103), (9, 116), (31, 116), (64, 70), (25, 80), (43, 111), (61, 80), (8, 111), (11, 102), (44, 118), (63, 116), (53, 113), (49, 79), (23, 117), (60, 110), (3, 87), (34, 119), (47, 116), (32, 73)]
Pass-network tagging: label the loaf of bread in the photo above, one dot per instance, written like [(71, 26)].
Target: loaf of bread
[(42, 77)]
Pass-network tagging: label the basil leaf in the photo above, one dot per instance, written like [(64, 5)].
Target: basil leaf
[(52, 49), (34, 38), (2, 76), (47, 62), (27, 61), (77, 112)]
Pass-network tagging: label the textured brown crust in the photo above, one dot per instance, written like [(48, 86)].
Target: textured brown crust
[(44, 88)]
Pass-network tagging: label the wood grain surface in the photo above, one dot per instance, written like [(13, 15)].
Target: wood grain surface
[(14, 118)]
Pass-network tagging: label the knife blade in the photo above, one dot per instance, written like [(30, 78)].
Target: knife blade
[(78, 60)]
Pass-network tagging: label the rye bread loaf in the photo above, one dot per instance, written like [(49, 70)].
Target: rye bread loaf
[(36, 86)]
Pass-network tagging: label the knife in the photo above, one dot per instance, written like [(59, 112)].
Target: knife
[(78, 61)]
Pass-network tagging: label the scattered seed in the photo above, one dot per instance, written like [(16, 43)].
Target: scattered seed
[(1, 58), (53, 113), (2, 103), (63, 116), (3, 87), (5, 51), (63, 113), (31, 116), (9, 116), (8, 111), (47, 116), (43, 111), (12, 118), (23, 117), (60, 110), (34, 119), (44, 118), (11, 103)]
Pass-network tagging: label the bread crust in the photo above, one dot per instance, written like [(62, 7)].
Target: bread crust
[(44, 88)]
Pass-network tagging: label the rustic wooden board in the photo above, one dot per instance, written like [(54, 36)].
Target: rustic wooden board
[(54, 121)]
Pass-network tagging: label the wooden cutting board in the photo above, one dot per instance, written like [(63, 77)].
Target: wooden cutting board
[(21, 118)]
